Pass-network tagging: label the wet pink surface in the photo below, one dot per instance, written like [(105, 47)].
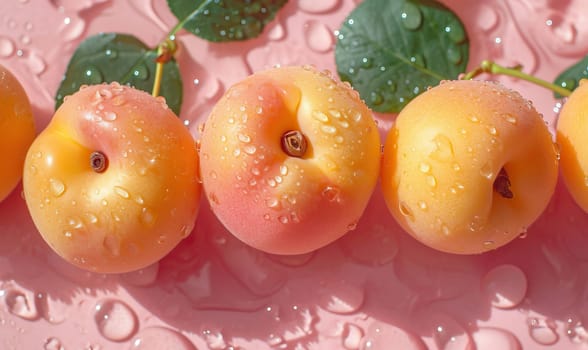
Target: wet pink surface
[(376, 288)]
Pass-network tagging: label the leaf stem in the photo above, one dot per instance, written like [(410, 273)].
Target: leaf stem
[(491, 67)]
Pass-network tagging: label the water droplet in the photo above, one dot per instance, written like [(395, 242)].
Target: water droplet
[(320, 116), (443, 150), (272, 203), (121, 192), (20, 304), (331, 193), (561, 27), (405, 210), (411, 16), (110, 53), (115, 320), (456, 33), (543, 331), (367, 62), (141, 72), (313, 6), (487, 171), (569, 83), (423, 205), (319, 37), (157, 338), (329, 129), (109, 116), (7, 47), (147, 217), (424, 167), (244, 138), (454, 55), (505, 285), (431, 181), (53, 343), (418, 60), (376, 98), (57, 187), (112, 244), (92, 75), (249, 149)]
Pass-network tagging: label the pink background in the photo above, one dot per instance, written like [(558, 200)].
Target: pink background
[(376, 288)]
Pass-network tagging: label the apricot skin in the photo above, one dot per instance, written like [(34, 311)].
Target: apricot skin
[(443, 155), (17, 130), (140, 206), (572, 132), (279, 203)]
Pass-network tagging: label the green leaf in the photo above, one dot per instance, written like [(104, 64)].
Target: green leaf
[(225, 20), (391, 51), (570, 78), (109, 57)]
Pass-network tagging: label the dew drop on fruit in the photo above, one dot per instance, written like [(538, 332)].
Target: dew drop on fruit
[(244, 138), (109, 116), (511, 118), (112, 244), (115, 320), (57, 187), (147, 217), (424, 168), (249, 149), (329, 129), (431, 181), (320, 116), (487, 171), (443, 150), (405, 210), (411, 16), (121, 192), (331, 193), (273, 203)]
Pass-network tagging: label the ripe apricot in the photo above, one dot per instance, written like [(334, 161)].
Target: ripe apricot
[(289, 159), (468, 166), (112, 182), (572, 130), (17, 130)]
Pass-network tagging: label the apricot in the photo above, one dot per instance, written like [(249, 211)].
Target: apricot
[(289, 159), (572, 129), (112, 182), (468, 166), (17, 130)]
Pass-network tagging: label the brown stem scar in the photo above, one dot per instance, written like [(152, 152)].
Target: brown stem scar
[(98, 161), (294, 143), (502, 184)]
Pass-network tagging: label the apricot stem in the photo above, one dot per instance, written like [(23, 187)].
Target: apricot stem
[(165, 53), (294, 143), (491, 67), (98, 161), (167, 48), (502, 184)]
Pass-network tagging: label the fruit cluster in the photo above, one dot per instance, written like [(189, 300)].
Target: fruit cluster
[(288, 160)]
